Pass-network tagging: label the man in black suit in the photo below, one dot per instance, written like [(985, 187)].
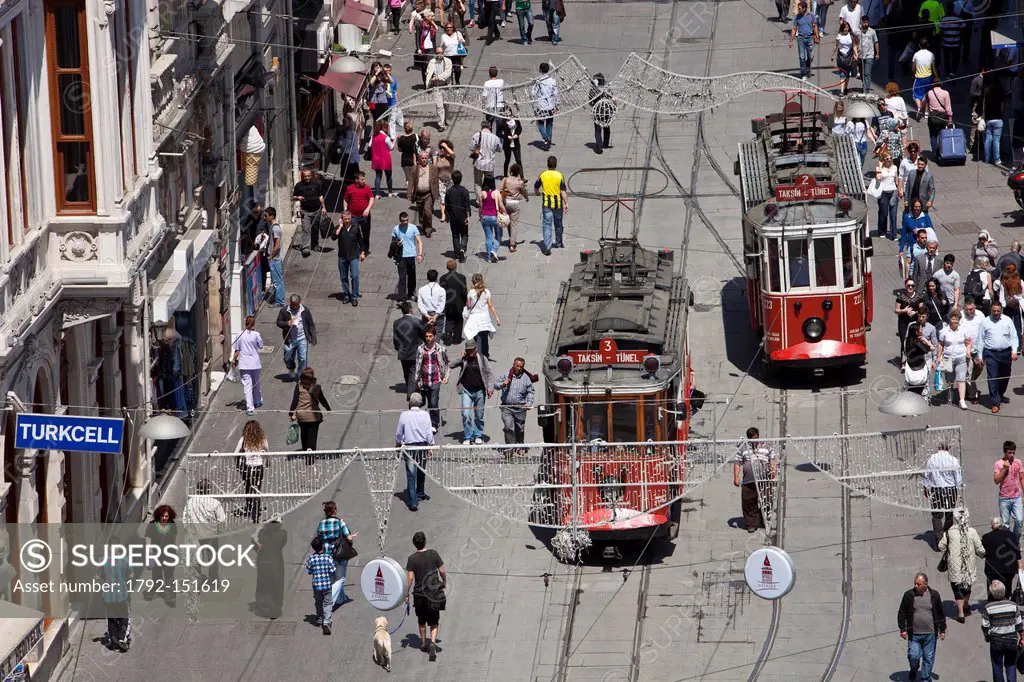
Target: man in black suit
[(926, 265), (408, 334), (454, 284)]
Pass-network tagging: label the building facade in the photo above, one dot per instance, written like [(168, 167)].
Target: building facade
[(120, 203)]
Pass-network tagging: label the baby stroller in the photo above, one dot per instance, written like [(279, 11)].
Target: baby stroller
[(915, 374)]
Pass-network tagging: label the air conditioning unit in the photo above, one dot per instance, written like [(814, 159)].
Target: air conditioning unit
[(352, 38)]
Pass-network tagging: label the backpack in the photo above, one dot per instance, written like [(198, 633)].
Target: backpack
[(974, 286)]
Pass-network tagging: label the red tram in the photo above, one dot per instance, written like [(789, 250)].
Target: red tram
[(618, 379), (806, 242)]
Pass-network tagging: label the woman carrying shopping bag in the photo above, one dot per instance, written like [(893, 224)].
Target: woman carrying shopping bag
[(305, 410)]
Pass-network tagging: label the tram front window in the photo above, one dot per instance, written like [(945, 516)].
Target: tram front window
[(651, 420), (799, 270), (850, 274), (624, 422), (595, 421), (825, 262)]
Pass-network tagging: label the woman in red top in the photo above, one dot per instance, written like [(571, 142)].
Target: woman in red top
[(380, 157)]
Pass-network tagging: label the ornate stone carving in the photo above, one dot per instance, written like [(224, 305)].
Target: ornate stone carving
[(78, 247), (76, 311)]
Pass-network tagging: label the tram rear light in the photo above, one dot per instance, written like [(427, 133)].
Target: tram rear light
[(585, 255), (652, 364), (814, 328), (771, 209), (845, 204), (827, 305), (564, 365)]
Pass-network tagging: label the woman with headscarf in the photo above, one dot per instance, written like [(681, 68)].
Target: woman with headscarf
[(269, 596), (962, 544), (1007, 290)]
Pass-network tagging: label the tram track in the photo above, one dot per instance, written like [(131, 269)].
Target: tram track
[(847, 533)]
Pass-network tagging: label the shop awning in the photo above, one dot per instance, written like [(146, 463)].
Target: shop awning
[(350, 84), (175, 286), (358, 14), (21, 628)]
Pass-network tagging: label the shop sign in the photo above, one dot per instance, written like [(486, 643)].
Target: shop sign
[(75, 434)]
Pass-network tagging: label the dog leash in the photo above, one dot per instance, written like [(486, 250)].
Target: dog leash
[(399, 626)]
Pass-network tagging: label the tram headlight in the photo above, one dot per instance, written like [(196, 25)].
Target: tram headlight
[(814, 328), (651, 365), (564, 365)]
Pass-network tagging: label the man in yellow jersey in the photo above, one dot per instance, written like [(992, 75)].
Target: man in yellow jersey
[(551, 185)]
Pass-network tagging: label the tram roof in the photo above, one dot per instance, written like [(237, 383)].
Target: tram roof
[(790, 145), (624, 292)]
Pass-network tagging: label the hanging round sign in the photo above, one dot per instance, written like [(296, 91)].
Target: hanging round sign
[(383, 582), (769, 572)]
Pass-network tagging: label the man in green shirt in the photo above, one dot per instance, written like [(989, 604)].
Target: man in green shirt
[(525, 14)]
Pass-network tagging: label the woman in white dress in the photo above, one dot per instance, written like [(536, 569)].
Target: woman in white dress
[(477, 316)]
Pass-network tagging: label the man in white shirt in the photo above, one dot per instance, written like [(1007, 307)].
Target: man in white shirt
[(545, 96), (851, 14), (204, 519), (493, 96), (971, 324), (943, 479), (431, 299), (908, 164)]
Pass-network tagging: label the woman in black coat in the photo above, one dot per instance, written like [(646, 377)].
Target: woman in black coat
[(305, 410), (509, 130)]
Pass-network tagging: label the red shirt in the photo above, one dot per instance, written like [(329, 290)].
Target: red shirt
[(358, 198)]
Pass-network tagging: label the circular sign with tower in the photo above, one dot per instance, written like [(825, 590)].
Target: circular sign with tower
[(383, 583), (769, 573)]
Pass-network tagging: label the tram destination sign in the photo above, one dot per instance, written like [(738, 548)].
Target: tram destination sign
[(804, 188), (608, 353)]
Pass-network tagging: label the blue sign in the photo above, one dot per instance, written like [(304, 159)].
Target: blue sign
[(79, 434)]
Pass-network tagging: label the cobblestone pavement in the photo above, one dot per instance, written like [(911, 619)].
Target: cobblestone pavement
[(699, 621)]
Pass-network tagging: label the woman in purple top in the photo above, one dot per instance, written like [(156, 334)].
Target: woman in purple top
[(247, 359), (490, 206)]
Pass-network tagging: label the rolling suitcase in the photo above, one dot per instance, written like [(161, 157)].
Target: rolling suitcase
[(952, 146)]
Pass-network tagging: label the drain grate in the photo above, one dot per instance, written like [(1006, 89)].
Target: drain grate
[(273, 627), (969, 227)]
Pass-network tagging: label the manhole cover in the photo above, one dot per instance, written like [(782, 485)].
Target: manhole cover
[(274, 627), (349, 380), (968, 227), (267, 349)]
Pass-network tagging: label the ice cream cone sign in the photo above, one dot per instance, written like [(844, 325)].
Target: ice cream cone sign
[(252, 152)]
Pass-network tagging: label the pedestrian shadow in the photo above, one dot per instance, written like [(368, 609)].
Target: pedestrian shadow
[(737, 523), (311, 619), (286, 377), (904, 676)]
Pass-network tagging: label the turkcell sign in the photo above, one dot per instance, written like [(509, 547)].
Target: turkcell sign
[(79, 434)]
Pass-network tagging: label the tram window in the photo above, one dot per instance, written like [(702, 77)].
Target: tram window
[(825, 262), (774, 282), (624, 422), (799, 272), (595, 421), (651, 419), (850, 274)]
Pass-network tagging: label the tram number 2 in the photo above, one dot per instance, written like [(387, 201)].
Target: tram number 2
[(858, 299)]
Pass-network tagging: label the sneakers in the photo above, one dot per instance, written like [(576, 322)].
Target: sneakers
[(478, 441), (494, 258), (466, 442), (433, 429), (433, 647), (963, 405), (327, 629)]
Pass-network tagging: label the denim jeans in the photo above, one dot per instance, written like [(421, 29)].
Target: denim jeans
[(492, 233), (997, 373), (1012, 513), (472, 413), (376, 181), (324, 603), (525, 24), (346, 269), (298, 348), (921, 652), (866, 65), (546, 125), (805, 52), (277, 277), (821, 12), (415, 477), (993, 139), (862, 150), (554, 23), (432, 398), (1004, 657), (887, 214), (363, 223), (547, 217)]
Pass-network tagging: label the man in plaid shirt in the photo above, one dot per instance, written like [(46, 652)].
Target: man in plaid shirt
[(321, 566), (431, 371)]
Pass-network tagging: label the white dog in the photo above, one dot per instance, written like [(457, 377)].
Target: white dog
[(382, 643)]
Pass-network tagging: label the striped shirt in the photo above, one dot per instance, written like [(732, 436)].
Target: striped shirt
[(1001, 621), (552, 184), (951, 27), (519, 390), (942, 470), (321, 567)]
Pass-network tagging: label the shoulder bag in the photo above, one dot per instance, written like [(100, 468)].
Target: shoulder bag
[(943, 563), (875, 188), (343, 550), (469, 308), (436, 596)]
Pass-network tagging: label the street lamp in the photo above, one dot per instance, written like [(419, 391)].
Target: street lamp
[(347, 64), (164, 427), (904, 404)]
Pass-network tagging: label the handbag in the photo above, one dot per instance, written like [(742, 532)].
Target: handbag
[(234, 376), (946, 365), (981, 124), (943, 563), (875, 188), (344, 551), (395, 249), (292, 437), (460, 50), (504, 221)]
